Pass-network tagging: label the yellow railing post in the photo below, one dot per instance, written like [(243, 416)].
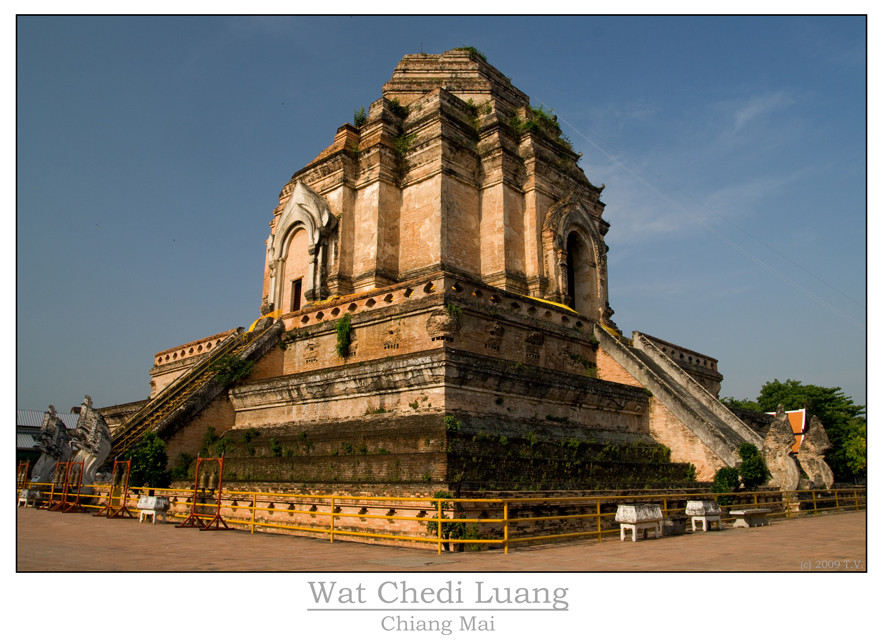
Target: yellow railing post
[(599, 523), (814, 499), (332, 516), (439, 524), (856, 503), (505, 516), (837, 507), (253, 510)]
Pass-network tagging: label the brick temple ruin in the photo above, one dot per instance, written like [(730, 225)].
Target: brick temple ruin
[(435, 315)]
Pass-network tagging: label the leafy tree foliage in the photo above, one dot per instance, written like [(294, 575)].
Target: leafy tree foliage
[(360, 117), (855, 447), (844, 420), (727, 479), (149, 460), (184, 467), (752, 468), (744, 403), (751, 473)]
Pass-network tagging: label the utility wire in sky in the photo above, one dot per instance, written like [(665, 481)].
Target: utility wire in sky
[(725, 239)]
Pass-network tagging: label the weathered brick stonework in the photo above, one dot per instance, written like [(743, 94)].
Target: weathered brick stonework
[(452, 171), (685, 446), (219, 415), (610, 370), (439, 272)]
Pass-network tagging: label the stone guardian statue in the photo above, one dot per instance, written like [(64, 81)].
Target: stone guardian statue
[(92, 441), (54, 443), (810, 455), (777, 450)]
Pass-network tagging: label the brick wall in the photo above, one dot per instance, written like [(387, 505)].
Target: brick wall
[(608, 369), (218, 414), (684, 446)]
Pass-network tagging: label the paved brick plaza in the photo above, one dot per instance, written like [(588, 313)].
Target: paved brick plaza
[(50, 541)]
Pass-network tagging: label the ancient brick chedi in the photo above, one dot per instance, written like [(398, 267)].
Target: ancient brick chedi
[(451, 172), (435, 314)]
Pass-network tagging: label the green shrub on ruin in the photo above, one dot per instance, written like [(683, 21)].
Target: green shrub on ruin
[(231, 368), (452, 423), (474, 52), (343, 330), (395, 106), (360, 117)]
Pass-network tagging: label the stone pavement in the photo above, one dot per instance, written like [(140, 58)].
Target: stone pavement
[(51, 541)]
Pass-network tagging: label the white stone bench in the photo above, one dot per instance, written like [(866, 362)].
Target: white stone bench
[(704, 512), (752, 517), (152, 506), (639, 516), (28, 497)]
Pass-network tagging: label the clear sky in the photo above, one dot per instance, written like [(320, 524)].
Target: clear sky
[(151, 151)]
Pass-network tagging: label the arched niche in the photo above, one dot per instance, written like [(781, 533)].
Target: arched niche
[(581, 283), (298, 249), (296, 266), (575, 260)]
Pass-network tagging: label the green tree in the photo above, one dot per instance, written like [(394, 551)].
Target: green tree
[(855, 447), (744, 404), (752, 468), (726, 479), (149, 462)]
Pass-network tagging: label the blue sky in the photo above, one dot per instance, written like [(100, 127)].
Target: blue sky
[(151, 151)]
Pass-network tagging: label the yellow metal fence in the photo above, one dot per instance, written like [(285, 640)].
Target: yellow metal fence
[(455, 522)]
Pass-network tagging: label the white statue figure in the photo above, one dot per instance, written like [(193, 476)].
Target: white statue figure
[(92, 441), (54, 443)]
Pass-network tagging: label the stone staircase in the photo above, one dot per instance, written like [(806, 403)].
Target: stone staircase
[(701, 412), (189, 394)]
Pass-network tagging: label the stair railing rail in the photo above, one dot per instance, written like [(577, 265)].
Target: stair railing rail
[(126, 434)]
